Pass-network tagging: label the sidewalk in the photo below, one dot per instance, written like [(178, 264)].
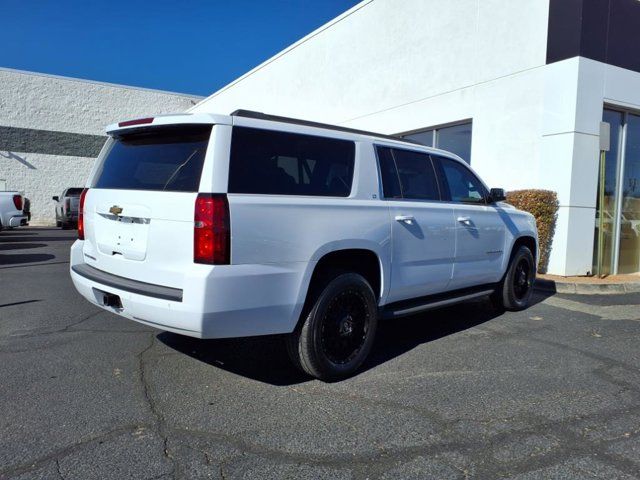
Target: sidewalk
[(613, 284)]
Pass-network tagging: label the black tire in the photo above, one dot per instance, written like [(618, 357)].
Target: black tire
[(58, 223), (516, 288), (337, 333)]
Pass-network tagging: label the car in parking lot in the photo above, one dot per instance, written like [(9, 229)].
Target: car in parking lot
[(248, 224), (67, 207), (11, 210)]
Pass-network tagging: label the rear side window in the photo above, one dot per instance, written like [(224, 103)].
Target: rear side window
[(389, 173), (282, 163), (159, 158), (407, 174)]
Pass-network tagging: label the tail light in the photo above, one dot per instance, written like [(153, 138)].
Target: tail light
[(81, 214), (212, 232), (17, 201)]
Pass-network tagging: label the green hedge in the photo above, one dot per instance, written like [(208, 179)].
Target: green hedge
[(543, 205)]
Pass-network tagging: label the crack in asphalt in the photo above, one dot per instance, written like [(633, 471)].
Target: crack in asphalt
[(64, 329), (160, 419), (61, 453), (58, 469), (472, 454)]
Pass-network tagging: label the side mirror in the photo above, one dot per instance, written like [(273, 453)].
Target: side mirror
[(497, 195), (56, 198)]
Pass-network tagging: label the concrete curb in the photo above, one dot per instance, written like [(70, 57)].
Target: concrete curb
[(552, 286)]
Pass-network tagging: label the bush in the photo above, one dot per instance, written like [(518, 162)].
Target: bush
[(543, 205)]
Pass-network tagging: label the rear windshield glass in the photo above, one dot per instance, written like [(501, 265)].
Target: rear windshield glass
[(161, 158), (281, 163), (74, 192)]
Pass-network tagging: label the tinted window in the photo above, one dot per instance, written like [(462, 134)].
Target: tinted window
[(407, 174), (461, 184), (281, 163), (417, 177), (161, 158), (74, 192), (389, 174)]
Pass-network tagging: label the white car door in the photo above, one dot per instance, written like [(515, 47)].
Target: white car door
[(423, 227), (480, 231)]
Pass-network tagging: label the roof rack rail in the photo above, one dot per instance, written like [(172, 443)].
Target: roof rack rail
[(308, 123)]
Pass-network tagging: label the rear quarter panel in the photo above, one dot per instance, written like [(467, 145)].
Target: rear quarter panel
[(297, 231)]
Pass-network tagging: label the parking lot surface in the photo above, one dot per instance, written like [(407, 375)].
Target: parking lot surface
[(463, 392)]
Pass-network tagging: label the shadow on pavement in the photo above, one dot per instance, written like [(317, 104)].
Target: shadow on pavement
[(19, 258), (10, 233), (265, 359), (40, 238), (20, 246)]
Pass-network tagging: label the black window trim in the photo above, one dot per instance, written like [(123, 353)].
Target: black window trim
[(376, 146), (442, 178), (286, 195)]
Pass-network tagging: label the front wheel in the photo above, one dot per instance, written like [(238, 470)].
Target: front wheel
[(337, 334), (515, 291)]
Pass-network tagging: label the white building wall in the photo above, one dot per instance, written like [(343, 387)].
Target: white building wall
[(44, 102), (400, 65), (383, 54)]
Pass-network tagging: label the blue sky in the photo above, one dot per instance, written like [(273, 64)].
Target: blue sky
[(184, 46)]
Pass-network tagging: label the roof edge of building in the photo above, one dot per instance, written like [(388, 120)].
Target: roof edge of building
[(97, 82)]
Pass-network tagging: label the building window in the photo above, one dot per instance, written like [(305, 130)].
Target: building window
[(617, 229), (454, 138)]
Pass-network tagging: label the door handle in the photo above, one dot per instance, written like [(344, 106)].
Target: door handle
[(465, 220), (408, 219)]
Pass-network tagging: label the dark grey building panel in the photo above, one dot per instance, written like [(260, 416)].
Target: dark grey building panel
[(602, 30), (29, 140)]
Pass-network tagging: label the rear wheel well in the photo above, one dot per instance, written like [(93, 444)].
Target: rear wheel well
[(360, 261)]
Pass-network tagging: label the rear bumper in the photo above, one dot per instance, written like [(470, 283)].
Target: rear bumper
[(18, 221), (217, 302)]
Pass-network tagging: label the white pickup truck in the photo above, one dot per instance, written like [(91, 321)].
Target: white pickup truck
[(248, 224), (67, 207), (11, 210)]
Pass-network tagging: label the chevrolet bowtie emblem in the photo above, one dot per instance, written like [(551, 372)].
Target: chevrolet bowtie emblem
[(116, 210)]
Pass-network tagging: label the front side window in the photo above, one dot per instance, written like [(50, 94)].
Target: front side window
[(283, 163), (460, 184), (407, 174)]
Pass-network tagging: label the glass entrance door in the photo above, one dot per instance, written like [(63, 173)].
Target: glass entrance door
[(617, 228), (629, 250)]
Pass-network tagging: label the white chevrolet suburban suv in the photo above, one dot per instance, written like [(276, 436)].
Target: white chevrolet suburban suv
[(248, 224)]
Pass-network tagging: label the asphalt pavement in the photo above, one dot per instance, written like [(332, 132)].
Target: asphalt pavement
[(462, 392)]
